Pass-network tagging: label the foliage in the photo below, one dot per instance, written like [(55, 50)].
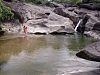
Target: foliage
[(5, 12)]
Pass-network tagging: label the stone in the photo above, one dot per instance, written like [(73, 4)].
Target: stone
[(96, 26), (91, 52), (53, 19), (41, 20)]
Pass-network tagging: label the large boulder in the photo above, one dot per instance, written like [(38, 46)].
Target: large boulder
[(91, 52), (67, 12), (39, 19)]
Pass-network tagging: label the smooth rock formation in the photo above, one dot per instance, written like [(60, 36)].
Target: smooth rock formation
[(91, 52), (40, 19), (67, 12)]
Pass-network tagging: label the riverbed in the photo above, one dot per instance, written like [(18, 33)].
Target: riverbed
[(22, 54)]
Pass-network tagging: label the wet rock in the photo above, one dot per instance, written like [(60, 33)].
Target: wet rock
[(81, 27), (92, 18), (91, 52)]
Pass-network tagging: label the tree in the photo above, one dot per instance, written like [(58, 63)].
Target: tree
[(5, 12)]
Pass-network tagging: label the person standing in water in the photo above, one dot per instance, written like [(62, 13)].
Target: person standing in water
[(25, 29)]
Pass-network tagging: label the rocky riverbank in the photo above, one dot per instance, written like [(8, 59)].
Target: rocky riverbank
[(40, 19), (91, 18), (56, 18), (59, 19)]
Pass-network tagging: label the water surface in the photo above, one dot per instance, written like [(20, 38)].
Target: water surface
[(45, 55)]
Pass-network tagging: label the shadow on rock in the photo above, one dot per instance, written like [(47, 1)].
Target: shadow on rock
[(94, 72)]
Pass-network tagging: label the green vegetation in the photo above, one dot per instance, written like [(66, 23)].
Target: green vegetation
[(5, 12)]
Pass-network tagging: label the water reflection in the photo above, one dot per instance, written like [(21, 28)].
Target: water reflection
[(42, 55)]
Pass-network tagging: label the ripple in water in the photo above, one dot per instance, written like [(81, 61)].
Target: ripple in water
[(45, 55)]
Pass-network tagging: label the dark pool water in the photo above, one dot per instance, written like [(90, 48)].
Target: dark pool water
[(45, 55)]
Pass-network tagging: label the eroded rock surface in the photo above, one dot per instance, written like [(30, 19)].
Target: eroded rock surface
[(91, 52), (40, 19)]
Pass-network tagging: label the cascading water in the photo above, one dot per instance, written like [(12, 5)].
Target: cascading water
[(78, 25)]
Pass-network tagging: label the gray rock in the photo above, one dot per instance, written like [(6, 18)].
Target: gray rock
[(41, 20), (68, 12), (91, 52), (96, 26), (93, 33)]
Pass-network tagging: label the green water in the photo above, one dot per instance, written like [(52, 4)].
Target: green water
[(43, 55)]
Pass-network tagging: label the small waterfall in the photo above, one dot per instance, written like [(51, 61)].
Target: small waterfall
[(49, 0), (78, 25)]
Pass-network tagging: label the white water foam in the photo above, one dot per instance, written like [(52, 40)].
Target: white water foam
[(78, 25)]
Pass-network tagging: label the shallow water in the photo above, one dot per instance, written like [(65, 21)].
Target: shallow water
[(45, 55)]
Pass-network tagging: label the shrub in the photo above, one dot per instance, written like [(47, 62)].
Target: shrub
[(5, 12)]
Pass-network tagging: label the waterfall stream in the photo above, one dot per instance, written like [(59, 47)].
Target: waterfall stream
[(78, 25)]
